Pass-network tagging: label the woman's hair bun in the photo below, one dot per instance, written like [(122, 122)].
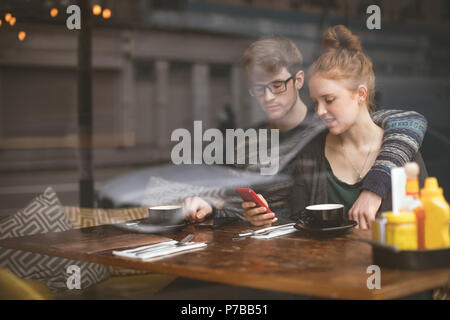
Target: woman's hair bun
[(340, 37)]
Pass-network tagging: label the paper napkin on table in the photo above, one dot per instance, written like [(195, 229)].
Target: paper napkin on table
[(275, 233), (270, 232), (158, 250)]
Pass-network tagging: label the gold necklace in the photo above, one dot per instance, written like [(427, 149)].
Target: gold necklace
[(360, 176)]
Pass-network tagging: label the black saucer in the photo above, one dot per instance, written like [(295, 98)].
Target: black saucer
[(331, 231)]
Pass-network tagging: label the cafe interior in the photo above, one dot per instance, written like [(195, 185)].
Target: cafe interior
[(92, 96)]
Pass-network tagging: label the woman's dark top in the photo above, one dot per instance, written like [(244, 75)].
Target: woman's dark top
[(340, 192)]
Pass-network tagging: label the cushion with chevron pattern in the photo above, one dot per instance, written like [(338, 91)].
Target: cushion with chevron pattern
[(87, 217), (44, 214)]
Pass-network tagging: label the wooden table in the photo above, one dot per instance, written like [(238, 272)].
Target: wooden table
[(332, 268)]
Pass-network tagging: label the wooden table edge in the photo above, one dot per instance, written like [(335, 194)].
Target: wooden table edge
[(239, 279)]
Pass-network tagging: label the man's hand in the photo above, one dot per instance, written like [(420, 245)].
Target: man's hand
[(365, 209), (196, 209), (256, 215)]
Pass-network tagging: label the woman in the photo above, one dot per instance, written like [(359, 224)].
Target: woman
[(332, 168)]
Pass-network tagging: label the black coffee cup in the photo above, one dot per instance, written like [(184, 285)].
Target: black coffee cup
[(323, 215)]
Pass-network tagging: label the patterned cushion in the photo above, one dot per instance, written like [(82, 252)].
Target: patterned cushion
[(82, 218), (44, 214)]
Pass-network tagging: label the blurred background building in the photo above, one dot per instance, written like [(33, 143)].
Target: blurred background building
[(159, 65)]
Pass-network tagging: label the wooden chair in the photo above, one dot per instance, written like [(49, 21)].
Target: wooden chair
[(15, 288)]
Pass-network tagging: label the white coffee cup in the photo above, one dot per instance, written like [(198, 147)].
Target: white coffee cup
[(165, 215)]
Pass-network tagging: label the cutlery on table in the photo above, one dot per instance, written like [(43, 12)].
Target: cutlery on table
[(264, 231), (151, 246), (175, 243)]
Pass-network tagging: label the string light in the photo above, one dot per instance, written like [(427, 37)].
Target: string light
[(106, 14), (22, 35), (8, 16), (1, 22), (12, 21), (96, 9), (53, 12)]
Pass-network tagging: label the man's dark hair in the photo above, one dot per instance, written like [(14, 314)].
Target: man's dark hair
[(269, 55)]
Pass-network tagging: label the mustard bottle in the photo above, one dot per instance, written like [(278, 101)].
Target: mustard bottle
[(401, 230), (412, 201), (437, 213)]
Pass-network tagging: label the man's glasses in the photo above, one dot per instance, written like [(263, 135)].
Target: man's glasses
[(276, 87)]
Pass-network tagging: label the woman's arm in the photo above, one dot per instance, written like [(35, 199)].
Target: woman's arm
[(403, 136)]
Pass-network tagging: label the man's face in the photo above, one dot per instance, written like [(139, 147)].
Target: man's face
[(277, 105)]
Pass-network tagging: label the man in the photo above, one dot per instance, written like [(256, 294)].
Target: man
[(272, 68)]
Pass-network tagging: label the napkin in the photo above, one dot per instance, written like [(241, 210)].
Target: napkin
[(275, 233), (270, 232), (158, 250)]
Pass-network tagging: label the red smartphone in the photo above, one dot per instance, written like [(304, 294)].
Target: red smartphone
[(248, 194)]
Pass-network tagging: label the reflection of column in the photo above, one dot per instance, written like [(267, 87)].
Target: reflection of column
[(241, 115), (430, 10), (1, 108), (84, 109), (201, 94), (389, 11), (352, 8), (127, 127), (162, 98)]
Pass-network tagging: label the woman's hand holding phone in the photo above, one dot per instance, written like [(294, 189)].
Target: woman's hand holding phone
[(257, 215)]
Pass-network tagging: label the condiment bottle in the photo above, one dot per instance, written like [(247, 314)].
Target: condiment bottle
[(437, 215), (379, 228), (412, 201), (401, 230)]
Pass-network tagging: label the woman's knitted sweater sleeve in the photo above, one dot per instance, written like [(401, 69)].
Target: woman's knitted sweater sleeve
[(403, 135)]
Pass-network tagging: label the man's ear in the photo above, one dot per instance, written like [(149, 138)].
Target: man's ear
[(299, 79)]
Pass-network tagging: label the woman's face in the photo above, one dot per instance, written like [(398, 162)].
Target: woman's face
[(335, 104)]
